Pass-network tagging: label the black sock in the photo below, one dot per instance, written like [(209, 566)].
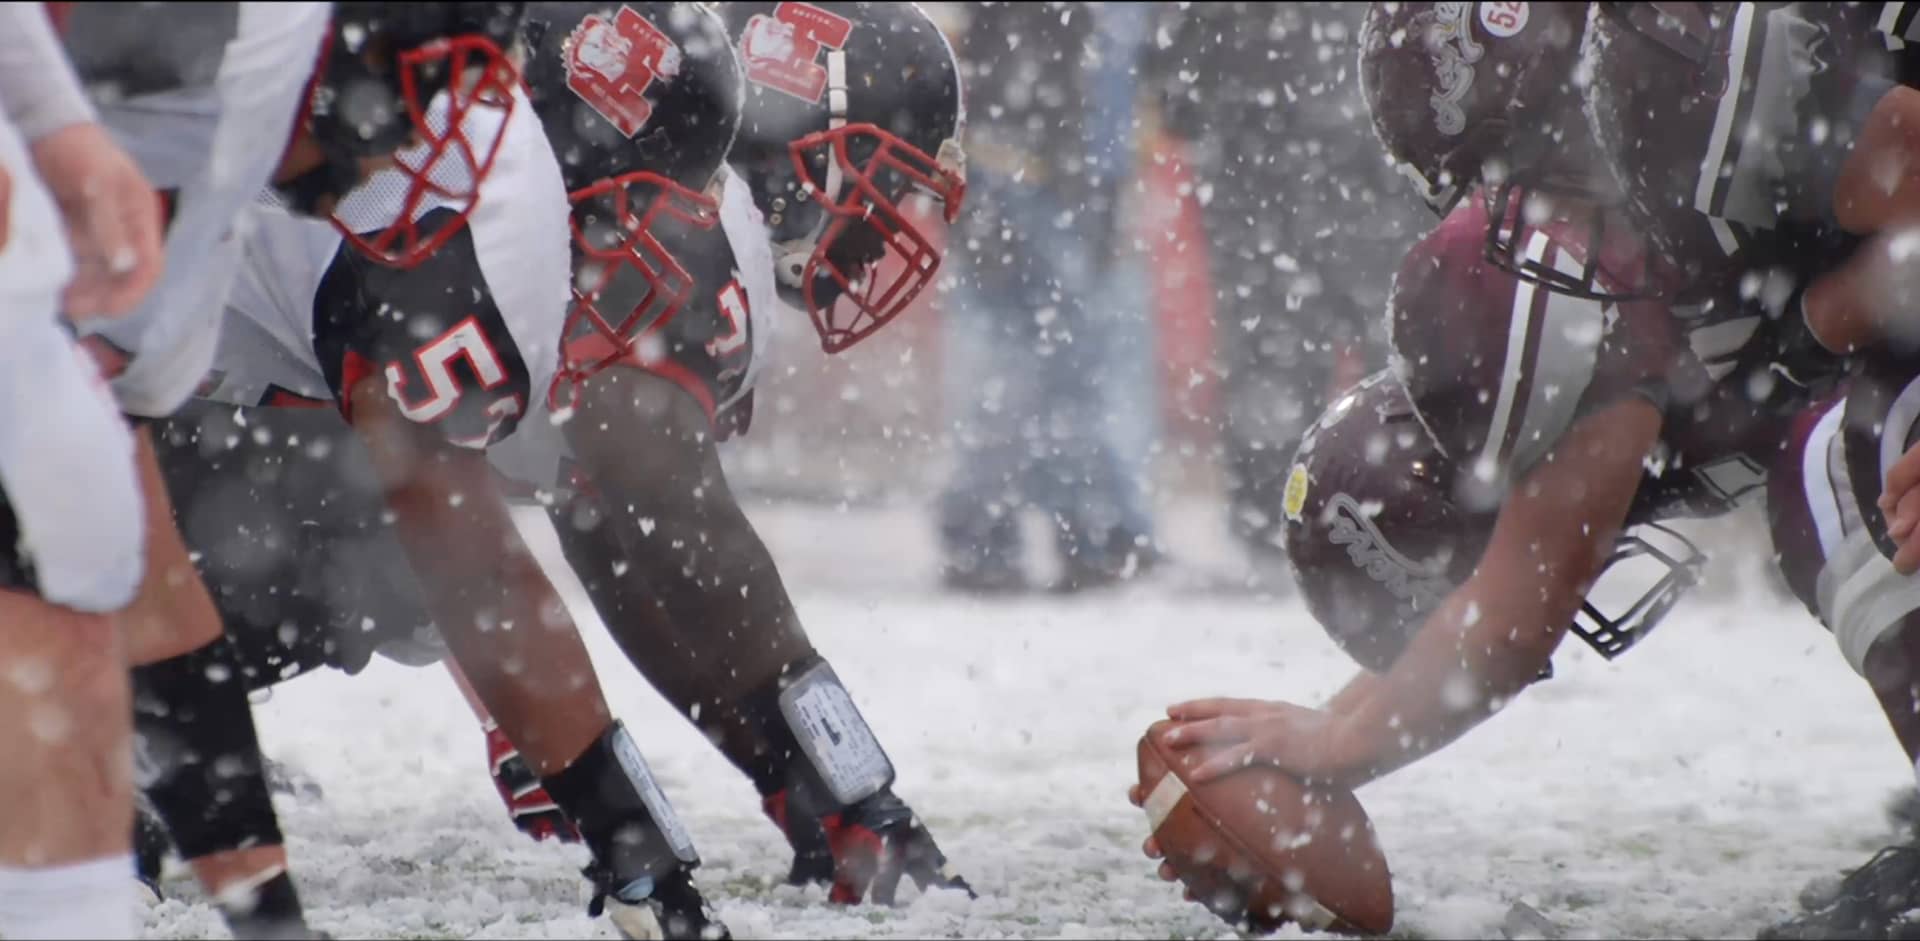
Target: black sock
[(199, 752)]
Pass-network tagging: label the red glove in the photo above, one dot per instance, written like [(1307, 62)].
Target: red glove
[(528, 802)]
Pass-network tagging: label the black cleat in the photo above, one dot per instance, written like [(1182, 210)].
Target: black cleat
[(1127, 560), (1880, 900), (671, 908)]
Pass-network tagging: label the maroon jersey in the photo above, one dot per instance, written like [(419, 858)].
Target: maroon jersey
[(1725, 125), (1499, 369)]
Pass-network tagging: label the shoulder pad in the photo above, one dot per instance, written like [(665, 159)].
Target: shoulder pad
[(1496, 366)]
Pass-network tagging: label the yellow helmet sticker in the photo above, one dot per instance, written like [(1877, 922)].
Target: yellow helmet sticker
[(1295, 497)]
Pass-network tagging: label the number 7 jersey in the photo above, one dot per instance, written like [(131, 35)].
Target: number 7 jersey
[(714, 348)]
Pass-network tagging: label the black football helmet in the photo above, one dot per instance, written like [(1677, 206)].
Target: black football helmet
[(641, 102), (1377, 535), (402, 77), (851, 109), (1468, 96)]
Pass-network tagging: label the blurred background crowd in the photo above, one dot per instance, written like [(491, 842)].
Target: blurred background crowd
[(1178, 241), (1178, 235)]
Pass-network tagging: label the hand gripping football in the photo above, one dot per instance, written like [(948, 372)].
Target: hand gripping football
[(1257, 847)]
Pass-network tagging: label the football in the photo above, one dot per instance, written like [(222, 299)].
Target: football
[(1257, 847)]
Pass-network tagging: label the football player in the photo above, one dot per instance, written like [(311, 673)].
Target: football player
[(852, 116), (1737, 254), (203, 98), (1831, 561), (685, 326), (434, 360), (1801, 171), (1784, 162), (1549, 429), (71, 494), (1447, 519)]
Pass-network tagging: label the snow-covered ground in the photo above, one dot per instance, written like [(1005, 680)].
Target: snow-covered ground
[(1690, 789)]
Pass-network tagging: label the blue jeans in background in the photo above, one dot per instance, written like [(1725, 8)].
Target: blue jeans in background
[(1050, 394)]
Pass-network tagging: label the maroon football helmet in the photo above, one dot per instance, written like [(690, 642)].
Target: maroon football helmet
[(1378, 534), (1483, 96), (1373, 532)]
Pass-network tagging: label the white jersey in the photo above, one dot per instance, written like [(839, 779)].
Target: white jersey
[(214, 146), (752, 244), (520, 241), (533, 457)]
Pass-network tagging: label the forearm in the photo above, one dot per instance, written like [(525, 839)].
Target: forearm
[(1869, 298), (707, 571), (38, 88), (500, 616), (1458, 671), (502, 620), (696, 571), (1496, 632), (1364, 684)]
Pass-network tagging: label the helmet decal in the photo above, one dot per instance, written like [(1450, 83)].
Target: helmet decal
[(1448, 36), (612, 62), (1351, 526), (780, 51), (1504, 19), (1294, 498)]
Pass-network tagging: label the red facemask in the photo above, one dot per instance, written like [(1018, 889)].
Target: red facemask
[(449, 160), (620, 250), (868, 246)]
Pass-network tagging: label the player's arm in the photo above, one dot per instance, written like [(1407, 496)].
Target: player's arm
[(428, 394), (39, 91), (1485, 642), (696, 564), (111, 213), (1875, 194), (494, 606)]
